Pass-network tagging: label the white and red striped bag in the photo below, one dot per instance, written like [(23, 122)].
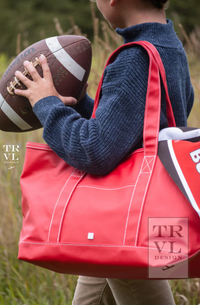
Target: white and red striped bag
[(179, 151)]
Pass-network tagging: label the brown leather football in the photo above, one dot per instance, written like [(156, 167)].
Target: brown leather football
[(69, 58)]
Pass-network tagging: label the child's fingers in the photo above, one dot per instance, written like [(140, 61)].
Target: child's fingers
[(21, 92), (45, 67), (31, 69), (22, 78), (68, 100)]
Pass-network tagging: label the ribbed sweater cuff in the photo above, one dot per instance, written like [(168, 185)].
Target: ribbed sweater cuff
[(43, 107)]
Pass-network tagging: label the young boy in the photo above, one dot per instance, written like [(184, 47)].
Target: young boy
[(97, 145)]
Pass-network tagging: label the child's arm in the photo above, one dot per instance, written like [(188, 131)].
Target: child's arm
[(85, 106), (96, 145)]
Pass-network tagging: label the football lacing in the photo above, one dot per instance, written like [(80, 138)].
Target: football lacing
[(16, 81)]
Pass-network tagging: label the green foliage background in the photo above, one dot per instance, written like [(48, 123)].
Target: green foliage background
[(186, 11), (33, 19)]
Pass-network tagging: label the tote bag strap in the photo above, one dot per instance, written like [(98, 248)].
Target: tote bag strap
[(153, 98), (154, 51)]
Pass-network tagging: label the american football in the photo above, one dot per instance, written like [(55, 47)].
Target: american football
[(69, 58)]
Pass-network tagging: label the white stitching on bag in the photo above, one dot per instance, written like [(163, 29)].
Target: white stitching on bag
[(143, 200), (38, 146), (93, 245), (106, 189), (66, 204), (142, 205), (131, 200), (148, 165), (56, 206)]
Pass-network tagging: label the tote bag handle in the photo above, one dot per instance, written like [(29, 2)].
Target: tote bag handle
[(153, 97), (170, 115)]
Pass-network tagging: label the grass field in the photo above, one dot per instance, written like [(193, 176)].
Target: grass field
[(24, 284)]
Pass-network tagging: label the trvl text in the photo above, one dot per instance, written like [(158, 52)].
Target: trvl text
[(168, 247), (10, 152), (169, 231)]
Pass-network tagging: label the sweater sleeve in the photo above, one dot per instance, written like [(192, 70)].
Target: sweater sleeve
[(85, 107), (190, 100), (98, 144)]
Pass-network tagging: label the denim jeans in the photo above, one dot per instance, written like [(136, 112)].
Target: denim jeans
[(100, 291)]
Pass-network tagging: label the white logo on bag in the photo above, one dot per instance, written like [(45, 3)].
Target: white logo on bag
[(195, 155)]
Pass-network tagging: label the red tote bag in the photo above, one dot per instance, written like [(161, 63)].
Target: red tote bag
[(136, 222)]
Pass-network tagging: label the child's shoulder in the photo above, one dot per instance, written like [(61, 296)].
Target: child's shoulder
[(130, 65), (162, 36)]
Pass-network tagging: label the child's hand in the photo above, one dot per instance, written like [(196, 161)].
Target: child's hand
[(39, 87)]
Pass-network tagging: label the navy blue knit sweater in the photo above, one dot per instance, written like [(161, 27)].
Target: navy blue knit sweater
[(97, 145)]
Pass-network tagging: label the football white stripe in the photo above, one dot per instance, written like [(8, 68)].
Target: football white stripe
[(182, 178), (64, 58), (12, 115)]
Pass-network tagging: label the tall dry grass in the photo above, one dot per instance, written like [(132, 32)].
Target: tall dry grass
[(24, 284)]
